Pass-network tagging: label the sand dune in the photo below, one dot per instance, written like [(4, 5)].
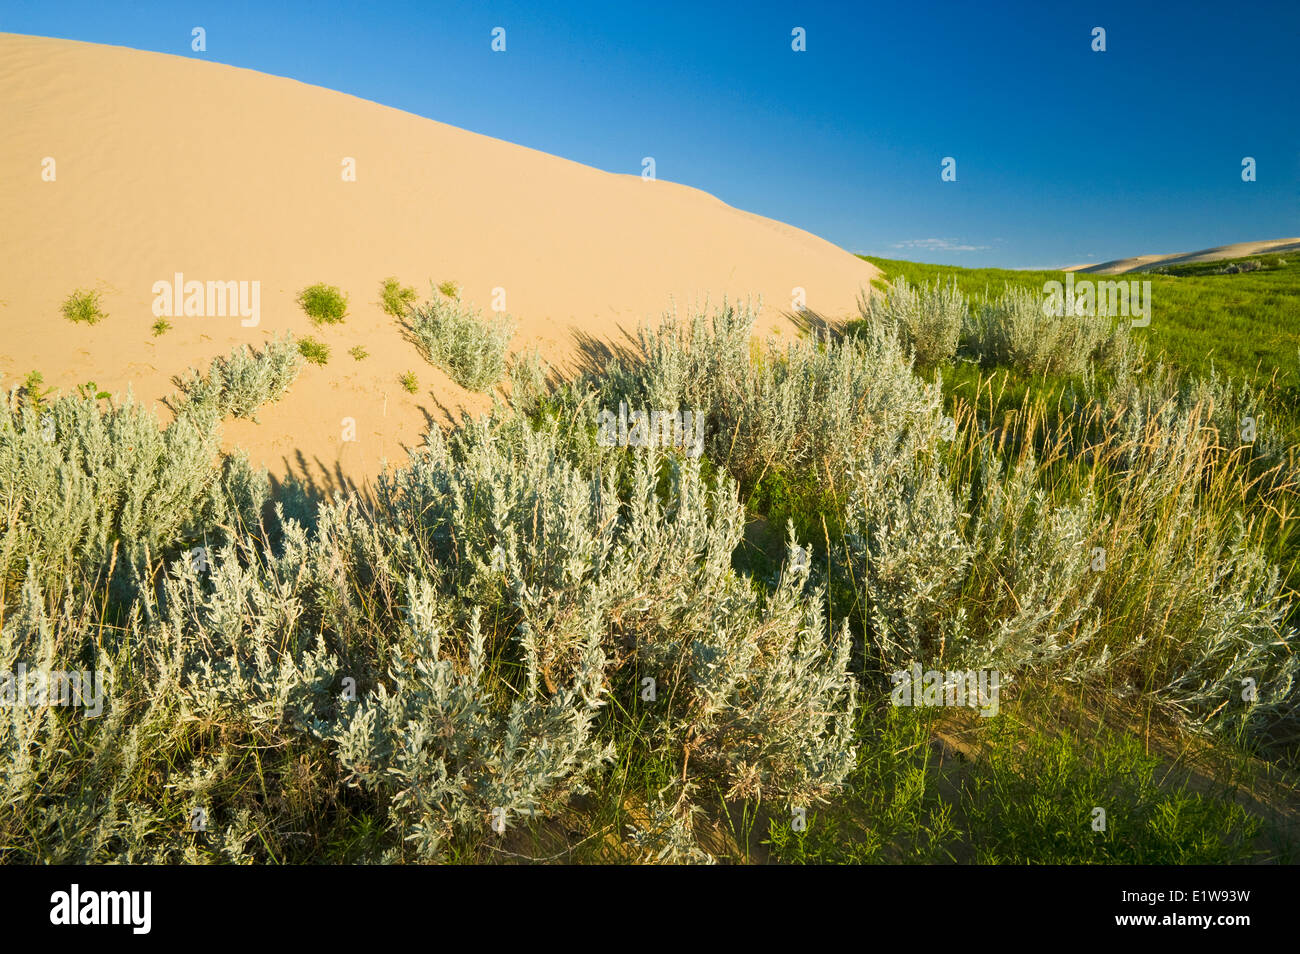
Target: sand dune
[(167, 164), (1144, 262)]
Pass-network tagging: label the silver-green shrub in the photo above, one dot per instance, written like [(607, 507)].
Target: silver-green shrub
[(1030, 585), (815, 406), (92, 489), (1015, 329), (482, 612), (763, 695), (450, 335), (64, 777), (529, 381), (238, 384), (449, 756), (668, 834), (1004, 586), (85, 489), (464, 648), (928, 318), (218, 666), (1213, 610)]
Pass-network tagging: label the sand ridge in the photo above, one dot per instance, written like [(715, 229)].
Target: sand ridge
[(168, 164), (1237, 250)]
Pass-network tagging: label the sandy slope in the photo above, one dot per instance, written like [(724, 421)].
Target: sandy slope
[(1239, 250), (167, 164)]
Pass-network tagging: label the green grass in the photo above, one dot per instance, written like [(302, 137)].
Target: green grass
[(324, 304), (893, 809), (83, 307), (161, 326), (450, 289), (410, 384), (1033, 799), (316, 352), (1023, 790), (358, 353)]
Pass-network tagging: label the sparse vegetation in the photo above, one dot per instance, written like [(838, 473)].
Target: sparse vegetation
[(396, 298), (358, 353), (316, 352), (91, 390), (83, 307), (324, 304), (410, 384)]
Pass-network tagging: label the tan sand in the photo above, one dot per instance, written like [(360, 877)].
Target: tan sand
[(168, 164), (1239, 250)]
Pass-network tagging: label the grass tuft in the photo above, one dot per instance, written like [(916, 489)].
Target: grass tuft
[(396, 298), (324, 304), (83, 307), (316, 352)]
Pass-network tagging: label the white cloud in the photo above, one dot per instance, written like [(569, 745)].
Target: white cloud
[(940, 245)]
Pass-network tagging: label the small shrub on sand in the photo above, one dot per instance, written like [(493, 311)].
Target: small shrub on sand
[(83, 307), (396, 298), (450, 289), (359, 353), (409, 382), (241, 382), (324, 304), (161, 326), (451, 336), (317, 352)]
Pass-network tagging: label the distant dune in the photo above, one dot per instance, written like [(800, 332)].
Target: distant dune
[(1145, 262), (166, 164)]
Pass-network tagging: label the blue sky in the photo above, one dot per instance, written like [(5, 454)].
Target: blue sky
[(1064, 155)]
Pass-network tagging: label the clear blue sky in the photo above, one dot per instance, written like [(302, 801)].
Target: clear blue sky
[(1063, 155)]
